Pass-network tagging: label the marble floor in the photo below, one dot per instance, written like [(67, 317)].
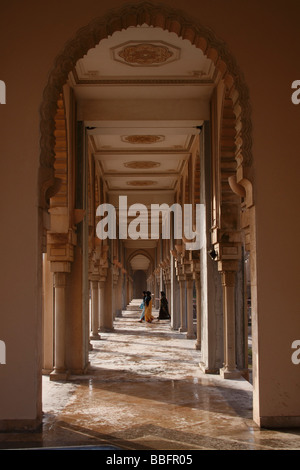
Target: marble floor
[(145, 391)]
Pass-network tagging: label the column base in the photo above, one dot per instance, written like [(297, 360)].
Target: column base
[(182, 329), (208, 370), (190, 336), (21, 425), (58, 375), (230, 373), (278, 422), (80, 371), (95, 337)]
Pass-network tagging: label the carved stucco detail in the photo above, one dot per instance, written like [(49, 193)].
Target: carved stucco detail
[(141, 183), (141, 165), (145, 54), (155, 15), (142, 139)]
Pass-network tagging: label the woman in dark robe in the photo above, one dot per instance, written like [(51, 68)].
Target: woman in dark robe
[(164, 308)]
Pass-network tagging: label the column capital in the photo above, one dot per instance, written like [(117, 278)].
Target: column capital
[(60, 246), (60, 267), (228, 265), (59, 279)]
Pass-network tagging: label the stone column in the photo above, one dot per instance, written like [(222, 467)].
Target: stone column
[(229, 371), (59, 372), (48, 323), (182, 306), (190, 322), (198, 310), (168, 292), (94, 309), (101, 304), (174, 302), (156, 301), (118, 295), (107, 305)]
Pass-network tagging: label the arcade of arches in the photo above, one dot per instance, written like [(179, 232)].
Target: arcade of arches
[(148, 115)]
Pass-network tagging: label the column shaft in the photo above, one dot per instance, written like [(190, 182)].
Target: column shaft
[(95, 310), (182, 307), (59, 371), (229, 370), (190, 321), (198, 310), (106, 323)]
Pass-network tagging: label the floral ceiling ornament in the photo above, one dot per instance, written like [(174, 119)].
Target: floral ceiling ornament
[(145, 54), (141, 165), (143, 139), (141, 183)]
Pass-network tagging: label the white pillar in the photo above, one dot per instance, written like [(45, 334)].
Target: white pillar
[(95, 310), (229, 371), (59, 372), (198, 310), (101, 304), (48, 320), (182, 306), (190, 322), (107, 303)]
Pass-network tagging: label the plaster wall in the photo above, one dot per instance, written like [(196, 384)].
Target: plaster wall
[(264, 39)]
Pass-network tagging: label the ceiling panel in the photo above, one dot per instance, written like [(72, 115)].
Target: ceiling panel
[(143, 93), (141, 51), (137, 142)]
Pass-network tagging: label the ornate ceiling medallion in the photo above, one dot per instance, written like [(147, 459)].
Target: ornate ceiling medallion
[(142, 139), (141, 165), (141, 183), (145, 54)]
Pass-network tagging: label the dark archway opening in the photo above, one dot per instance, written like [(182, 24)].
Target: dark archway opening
[(139, 283)]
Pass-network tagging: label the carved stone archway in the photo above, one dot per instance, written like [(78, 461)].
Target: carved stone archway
[(156, 15), (235, 93), (143, 253)]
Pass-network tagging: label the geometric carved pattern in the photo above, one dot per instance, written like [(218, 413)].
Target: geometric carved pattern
[(143, 139), (60, 199), (141, 165), (145, 54), (141, 183)]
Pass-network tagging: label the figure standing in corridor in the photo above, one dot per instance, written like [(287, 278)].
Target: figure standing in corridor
[(142, 306), (164, 308), (148, 308)]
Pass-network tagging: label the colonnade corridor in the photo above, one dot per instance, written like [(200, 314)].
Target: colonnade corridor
[(144, 390)]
